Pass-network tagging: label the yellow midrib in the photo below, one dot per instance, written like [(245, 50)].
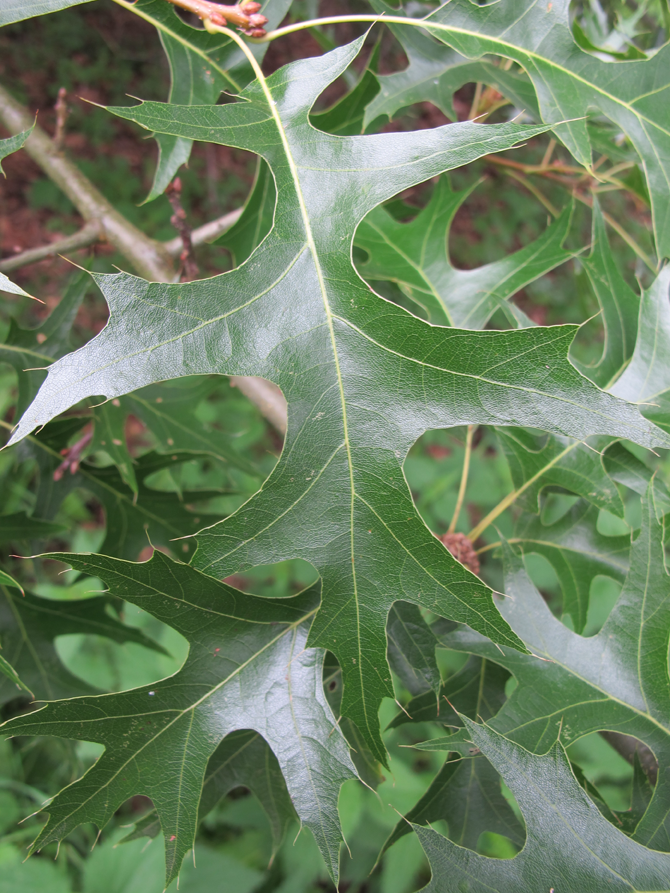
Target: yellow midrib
[(329, 318)]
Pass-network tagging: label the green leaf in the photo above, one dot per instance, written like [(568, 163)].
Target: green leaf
[(7, 580), (477, 691), (242, 759), (20, 526), (434, 75), (30, 624), (8, 670), (18, 10), (577, 552), (466, 793), (133, 520), (255, 222), (247, 668), (202, 65), (30, 351), (363, 378), (625, 468), (569, 846), (7, 147), (411, 649), (12, 288), (416, 256), (647, 376), (618, 303), (556, 462), (616, 680), (569, 82)]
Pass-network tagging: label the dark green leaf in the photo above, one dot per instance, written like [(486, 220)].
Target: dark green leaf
[(577, 552), (618, 303), (537, 463), (569, 848), (416, 256), (30, 624), (247, 668), (411, 649)]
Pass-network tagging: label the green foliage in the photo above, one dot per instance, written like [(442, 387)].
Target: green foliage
[(450, 578)]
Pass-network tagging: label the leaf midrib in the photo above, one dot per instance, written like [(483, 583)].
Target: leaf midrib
[(329, 318)]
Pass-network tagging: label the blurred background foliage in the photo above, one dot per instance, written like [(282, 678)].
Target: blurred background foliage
[(101, 54)]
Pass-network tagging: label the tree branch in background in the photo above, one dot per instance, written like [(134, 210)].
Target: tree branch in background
[(89, 234), (147, 256), (152, 260)]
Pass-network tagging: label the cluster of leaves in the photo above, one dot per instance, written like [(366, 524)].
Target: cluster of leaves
[(348, 298)]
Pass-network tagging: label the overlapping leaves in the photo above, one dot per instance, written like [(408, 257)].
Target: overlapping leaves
[(247, 668), (363, 378)]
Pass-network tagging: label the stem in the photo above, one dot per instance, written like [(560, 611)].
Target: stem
[(464, 478), (87, 235), (505, 503), (208, 232)]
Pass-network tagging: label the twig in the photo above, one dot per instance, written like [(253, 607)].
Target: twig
[(208, 232), (87, 235), (62, 111), (464, 478), (189, 266), (245, 15), (147, 256), (92, 232)]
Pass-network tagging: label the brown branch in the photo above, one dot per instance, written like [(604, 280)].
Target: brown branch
[(62, 111), (92, 232), (245, 15), (208, 232), (87, 235), (188, 270), (147, 256)]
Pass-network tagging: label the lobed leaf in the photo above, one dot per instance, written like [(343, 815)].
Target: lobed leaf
[(247, 668)]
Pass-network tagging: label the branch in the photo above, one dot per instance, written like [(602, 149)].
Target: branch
[(87, 235), (92, 232), (152, 260), (147, 256), (208, 232)]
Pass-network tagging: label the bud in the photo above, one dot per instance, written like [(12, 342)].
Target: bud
[(255, 32), (257, 21), (250, 7)]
